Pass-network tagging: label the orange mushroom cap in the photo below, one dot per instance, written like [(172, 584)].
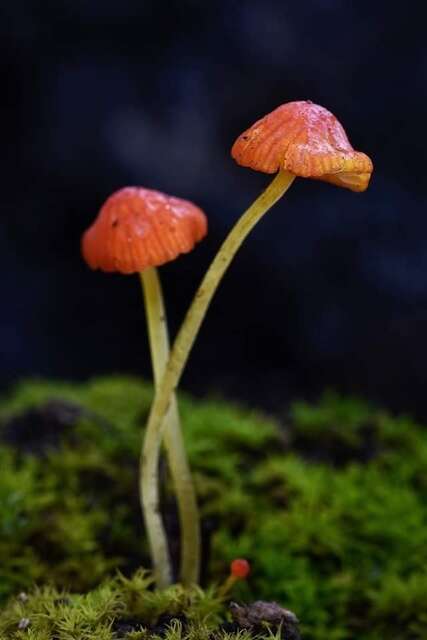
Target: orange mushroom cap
[(306, 140), (138, 228)]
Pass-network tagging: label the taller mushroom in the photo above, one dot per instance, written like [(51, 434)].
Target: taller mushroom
[(296, 139), (305, 140), (136, 231)]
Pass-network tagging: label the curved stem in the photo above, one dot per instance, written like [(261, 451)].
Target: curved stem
[(185, 339), (175, 449)]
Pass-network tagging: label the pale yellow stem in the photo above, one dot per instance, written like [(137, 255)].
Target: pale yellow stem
[(184, 341), (175, 450)]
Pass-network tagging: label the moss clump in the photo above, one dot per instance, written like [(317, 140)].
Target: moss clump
[(331, 511), (118, 608), (69, 507)]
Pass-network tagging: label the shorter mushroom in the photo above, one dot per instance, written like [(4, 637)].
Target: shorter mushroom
[(137, 230), (239, 570)]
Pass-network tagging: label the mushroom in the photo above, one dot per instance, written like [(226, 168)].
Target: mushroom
[(239, 570), (137, 230), (305, 140), (297, 139)]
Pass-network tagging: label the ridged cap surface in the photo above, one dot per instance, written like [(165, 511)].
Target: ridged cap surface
[(306, 140), (138, 228)]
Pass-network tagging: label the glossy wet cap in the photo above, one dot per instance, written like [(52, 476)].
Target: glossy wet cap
[(138, 228), (306, 140)]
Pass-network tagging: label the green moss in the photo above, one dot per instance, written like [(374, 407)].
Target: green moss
[(50, 614), (333, 516)]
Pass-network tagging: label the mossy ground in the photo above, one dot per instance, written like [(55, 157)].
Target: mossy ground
[(118, 608), (331, 512)]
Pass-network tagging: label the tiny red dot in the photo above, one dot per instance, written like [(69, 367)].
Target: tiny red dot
[(240, 568)]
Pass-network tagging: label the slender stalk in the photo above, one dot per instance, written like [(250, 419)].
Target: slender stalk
[(175, 449), (182, 347)]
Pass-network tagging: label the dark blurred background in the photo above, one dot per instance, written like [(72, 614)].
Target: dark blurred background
[(331, 288)]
